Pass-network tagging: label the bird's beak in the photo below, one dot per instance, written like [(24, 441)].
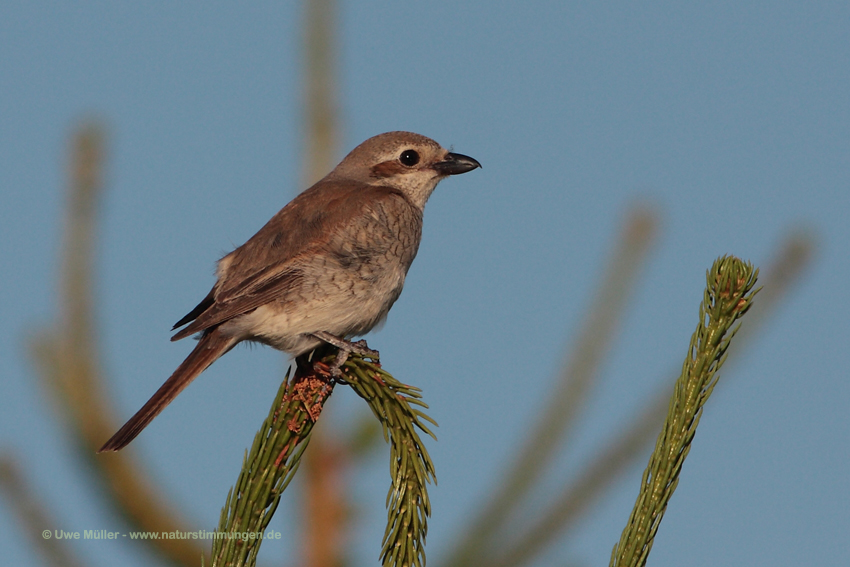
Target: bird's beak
[(455, 164)]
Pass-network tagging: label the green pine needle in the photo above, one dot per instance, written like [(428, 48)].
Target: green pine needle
[(276, 453), (728, 295), (267, 470), (411, 468)]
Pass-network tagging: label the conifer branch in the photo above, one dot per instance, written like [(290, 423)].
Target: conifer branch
[(33, 516), (395, 405), (573, 502), (269, 467), (276, 454), (67, 357), (728, 295)]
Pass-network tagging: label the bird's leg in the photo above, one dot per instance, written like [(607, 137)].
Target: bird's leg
[(344, 349), (360, 347)]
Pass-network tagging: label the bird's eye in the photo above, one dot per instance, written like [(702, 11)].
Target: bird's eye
[(409, 158)]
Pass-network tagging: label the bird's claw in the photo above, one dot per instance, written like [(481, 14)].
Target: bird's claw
[(363, 349), (344, 350)]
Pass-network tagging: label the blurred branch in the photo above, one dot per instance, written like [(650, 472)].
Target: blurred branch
[(32, 516), (610, 463), (363, 436), (728, 295), (793, 258), (326, 508), (320, 106), (556, 423), (68, 360)]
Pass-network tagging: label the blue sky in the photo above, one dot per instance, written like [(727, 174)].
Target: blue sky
[(730, 119)]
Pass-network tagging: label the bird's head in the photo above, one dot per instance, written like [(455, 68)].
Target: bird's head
[(409, 162)]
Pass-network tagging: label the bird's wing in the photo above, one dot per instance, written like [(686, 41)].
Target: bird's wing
[(260, 288), (269, 264)]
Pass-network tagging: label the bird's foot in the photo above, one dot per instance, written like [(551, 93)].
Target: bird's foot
[(360, 347), (344, 350)]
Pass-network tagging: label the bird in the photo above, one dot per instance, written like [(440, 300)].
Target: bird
[(326, 268)]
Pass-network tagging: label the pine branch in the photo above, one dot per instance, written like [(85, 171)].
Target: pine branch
[(276, 454), (325, 507), (728, 295), (411, 468), (270, 466), (33, 516), (67, 358), (564, 510)]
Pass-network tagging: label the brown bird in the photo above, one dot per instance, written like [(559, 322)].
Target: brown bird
[(327, 267)]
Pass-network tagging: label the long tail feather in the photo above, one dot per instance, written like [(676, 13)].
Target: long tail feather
[(211, 346)]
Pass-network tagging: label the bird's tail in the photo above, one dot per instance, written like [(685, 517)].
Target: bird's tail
[(212, 345)]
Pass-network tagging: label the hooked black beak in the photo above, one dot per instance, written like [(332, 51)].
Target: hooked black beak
[(455, 164)]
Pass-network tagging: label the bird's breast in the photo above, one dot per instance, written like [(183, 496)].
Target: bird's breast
[(345, 287)]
